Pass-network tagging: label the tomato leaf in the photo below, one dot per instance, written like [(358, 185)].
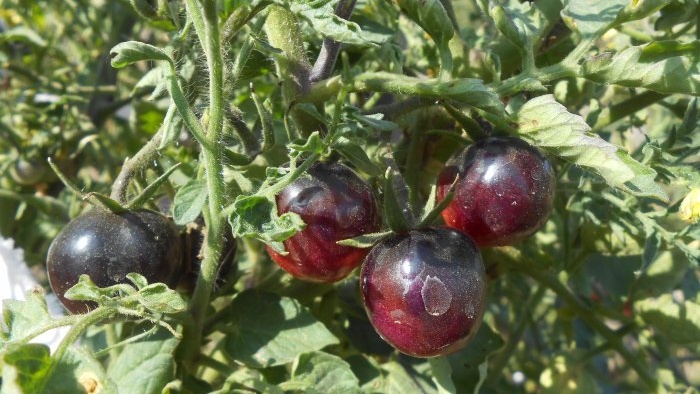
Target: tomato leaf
[(130, 52), (24, 368), (79, 372), (319, 372), (679, 322), (145, 366), (266, 330), (664, 67), (548, 125), (189, 202)]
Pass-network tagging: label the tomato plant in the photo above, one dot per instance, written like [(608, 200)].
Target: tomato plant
[(561, 135)]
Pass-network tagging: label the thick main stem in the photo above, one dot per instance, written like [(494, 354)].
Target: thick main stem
[(207, 27)]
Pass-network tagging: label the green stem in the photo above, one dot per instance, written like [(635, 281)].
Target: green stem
[(81, 324), (207, 27), (628, 107)]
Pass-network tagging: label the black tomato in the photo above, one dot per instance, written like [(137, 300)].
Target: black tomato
[(107, 246), (504, 194), (336, 204), (425, 290)]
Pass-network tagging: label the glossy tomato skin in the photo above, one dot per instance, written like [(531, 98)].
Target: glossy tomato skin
[(425, 290), (336, 204), (107, 246), (504, 194)]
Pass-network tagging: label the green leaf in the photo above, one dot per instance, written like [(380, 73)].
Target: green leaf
[(320, 14), (639, 9), (431, 16), (159, 298), (397, 208), (398, 381), (84, 290), (256, 217), (24, 368), (364, 240), (189, 201), (548, 125), (145, 366), (137, 279), (313, 144), (662, 275), (510, 28), (664, 67), (465, 363), (267, 330), (375, 121), (79, 372), (172, 126), (22, 318), (591, 18), (678, 322), (357, 156), (324, 373), (130, 52), (442, 378), (23, 34)]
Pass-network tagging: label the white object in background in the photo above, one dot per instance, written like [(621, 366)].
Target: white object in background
[(16, 280)]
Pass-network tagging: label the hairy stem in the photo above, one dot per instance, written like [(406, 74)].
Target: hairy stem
[(135, 164), (207, 27)]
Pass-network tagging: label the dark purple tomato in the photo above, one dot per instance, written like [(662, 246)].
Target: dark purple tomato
[(107, 246), (425, 290), (504, 194), (336, 204)]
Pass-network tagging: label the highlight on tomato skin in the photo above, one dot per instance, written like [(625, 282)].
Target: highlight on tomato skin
[(425, 291), (107, 246), (336, 204), (505, 191)]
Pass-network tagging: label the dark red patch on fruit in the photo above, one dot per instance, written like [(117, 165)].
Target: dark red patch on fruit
[(504, 194), (107, 246), (336, 204), (425, 291)]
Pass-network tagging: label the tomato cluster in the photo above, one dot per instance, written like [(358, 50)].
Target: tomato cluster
[(424, 290)]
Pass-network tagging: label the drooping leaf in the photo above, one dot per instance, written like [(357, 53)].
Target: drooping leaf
[(24, 34), (267, 330), (145, 366), (130, 52), (431, 16), (325, 373), (679, 322), (664, 67), (189, 202), (548, 125)]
